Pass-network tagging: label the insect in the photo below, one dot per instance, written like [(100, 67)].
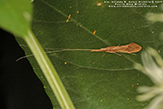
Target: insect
[(94, 32), (98, 3), (130, 48), (134, 86), (69, 16)]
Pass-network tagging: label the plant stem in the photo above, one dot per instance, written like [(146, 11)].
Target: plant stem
[(49, 71)]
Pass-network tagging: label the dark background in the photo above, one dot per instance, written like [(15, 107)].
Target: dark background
[(19, 86)]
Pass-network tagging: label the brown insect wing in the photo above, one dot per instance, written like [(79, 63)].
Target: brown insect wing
[(133, 48)]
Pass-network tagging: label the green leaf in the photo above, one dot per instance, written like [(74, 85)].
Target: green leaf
[(94, 80), (16, 19), (49, 72), (15, 16)]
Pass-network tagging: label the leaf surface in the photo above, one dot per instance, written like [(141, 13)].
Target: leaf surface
[(16, 16), (92, 79)]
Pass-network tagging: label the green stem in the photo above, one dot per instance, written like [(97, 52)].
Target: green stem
[(49, 72)]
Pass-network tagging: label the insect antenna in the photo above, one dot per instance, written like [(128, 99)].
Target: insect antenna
[(23, 57), (62, 50)]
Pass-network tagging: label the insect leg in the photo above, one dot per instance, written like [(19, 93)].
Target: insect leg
[(132, 53), (104, 54), (118, 54)]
